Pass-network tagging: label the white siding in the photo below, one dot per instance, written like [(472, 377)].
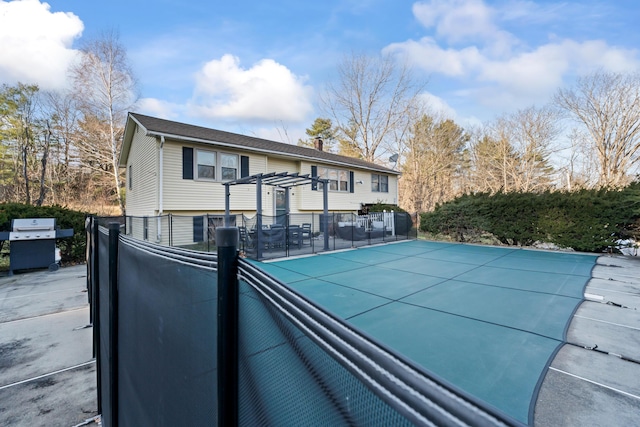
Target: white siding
[(342, 201), (206, 196), (368, 196), (186, 196), (280, 165), (142, 197)]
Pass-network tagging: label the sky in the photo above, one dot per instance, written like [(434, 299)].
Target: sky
[(258, 68)]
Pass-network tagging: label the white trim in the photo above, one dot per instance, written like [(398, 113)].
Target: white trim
[(595, 382), (49, 374), (608, 323)]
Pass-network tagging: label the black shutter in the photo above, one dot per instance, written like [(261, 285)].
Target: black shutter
[(198, 229), (187, 163), (351, 182), (314, 174), (244, 166)]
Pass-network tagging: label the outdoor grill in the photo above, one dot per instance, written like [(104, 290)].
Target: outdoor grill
[(33, 243)]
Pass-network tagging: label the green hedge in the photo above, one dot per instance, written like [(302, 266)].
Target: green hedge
[(586, 220), (72, 250)]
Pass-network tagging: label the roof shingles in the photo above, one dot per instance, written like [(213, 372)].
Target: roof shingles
[(155, 126)]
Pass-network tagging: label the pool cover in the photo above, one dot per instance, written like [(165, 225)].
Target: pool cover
[(486, 319)]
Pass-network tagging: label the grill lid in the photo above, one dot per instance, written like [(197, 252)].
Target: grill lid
[(30, 224), (33, 228)]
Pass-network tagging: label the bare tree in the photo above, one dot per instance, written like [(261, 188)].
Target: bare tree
[(513, 152), (64, 170), (21, 135), (433, 163), (105, 89), (492, 163), (373, 103), (607, 106), (531, 133)]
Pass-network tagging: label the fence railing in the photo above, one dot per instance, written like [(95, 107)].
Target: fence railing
[(279, 236), (191, 338)]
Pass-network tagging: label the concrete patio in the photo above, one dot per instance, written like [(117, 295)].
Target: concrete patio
[(47, 372)]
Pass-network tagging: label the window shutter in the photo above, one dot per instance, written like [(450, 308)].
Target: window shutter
[(351, 182), (187, 163), (198, 229), (314, 174), (244, 166)]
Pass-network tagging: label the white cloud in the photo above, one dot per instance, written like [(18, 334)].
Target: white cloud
[(428, 55), (267, 91), (159, 108), (36, 43), (499, 70), (438, 106), (460, 21)]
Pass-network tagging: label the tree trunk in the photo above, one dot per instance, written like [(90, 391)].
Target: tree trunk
[(25, 173), (43, 172)]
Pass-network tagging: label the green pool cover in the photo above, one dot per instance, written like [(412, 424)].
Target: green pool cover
[(486, 319)]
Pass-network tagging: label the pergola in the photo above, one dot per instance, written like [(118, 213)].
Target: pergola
[(286, 181)]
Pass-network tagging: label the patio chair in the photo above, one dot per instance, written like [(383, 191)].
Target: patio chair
[(306, 232), (294, 237), (274, 236), (246, 242)]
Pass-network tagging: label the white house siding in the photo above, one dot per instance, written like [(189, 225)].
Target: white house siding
[(368, 196), (194, 196), (275, 164), (204, 196), (311, 200), (142, 197)]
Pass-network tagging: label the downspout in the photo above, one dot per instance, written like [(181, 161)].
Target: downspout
[(396, 200), (160, 190)]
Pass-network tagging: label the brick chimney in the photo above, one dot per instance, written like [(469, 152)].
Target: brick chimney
[(317, 143)]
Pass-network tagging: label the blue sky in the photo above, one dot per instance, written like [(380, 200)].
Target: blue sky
[(258, 67)]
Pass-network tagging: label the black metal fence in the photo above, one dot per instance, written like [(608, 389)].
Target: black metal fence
[(279, 236), (192, 338)]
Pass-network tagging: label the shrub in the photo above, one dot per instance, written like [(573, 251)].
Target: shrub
[(586, 220)]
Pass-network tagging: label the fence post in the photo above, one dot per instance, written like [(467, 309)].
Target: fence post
[(95, 282), (170, 229), (114, 234), (227, 238), (325, 225)]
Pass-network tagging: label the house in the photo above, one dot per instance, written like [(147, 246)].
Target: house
[(179, 169)]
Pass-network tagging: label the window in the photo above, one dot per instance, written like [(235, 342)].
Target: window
[(338, 179), (379, 183), (145, 228), (206, 161), (198, 229), (229, 166)]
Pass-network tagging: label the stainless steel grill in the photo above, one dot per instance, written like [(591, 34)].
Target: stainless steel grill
[(33, 243), (32, 229)]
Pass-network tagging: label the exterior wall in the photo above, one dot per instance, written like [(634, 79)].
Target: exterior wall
[(268, 200), (367, 196), (310, 200), (142, 197), (200, 195), (193, 196)]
